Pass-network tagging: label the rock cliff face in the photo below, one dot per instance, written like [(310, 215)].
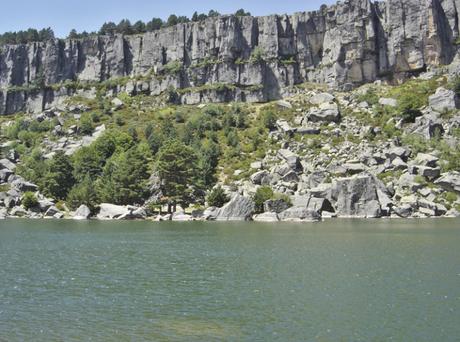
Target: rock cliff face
[(350, 43)]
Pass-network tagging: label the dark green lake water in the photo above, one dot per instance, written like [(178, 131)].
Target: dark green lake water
[(142, 281)]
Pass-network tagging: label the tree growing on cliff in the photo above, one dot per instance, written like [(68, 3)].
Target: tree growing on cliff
[(172, 20), (125, 27), (109, 28), (242, 13), (213, 13), (139, 27), (154, 24)]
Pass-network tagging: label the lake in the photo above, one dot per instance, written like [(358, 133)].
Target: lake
[(340, 280)]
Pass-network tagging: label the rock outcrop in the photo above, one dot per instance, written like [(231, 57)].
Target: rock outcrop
[(240, 208), (350, 43)]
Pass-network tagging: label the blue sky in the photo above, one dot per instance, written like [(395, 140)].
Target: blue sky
[(63, 15)]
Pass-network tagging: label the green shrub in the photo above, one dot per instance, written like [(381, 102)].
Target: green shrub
[(409, 105), (173, 67), (86, 125), (257, 55), (370, 96), (450, 197), (119, 120), (263, 194), (455, 84), (29, 200), (217, 197), (283, 197), (269, 119)]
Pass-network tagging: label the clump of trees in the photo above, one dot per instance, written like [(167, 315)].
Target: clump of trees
[(27, 36), (124, 27), (183, 147)]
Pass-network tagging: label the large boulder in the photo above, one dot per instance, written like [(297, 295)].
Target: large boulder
[(299, 214), (356, 197), (266, 217), (181, 217), (23, 186), (398, 152), (53, 212), (7, 164), (449, 181), (82, 213), (240, 208), (111, 211), (428, 126), (326, 112), (426, 160), (4, 175), (290, 157), (261, 177), (322, 98), (443, 100)]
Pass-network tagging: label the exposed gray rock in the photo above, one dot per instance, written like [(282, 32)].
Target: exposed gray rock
[(82, 213), (181, 217), (44, 204), (211, 213), (403, 211), (285, 127), (398, 152), (443, 100), (346, 44), (308, 130), (428, 126), (326, 112), (320, 205), (4, 175), (356, 197), (111, 211), (52, 211), (425, 171), (425, 159), (117, 103), (266, 217), (291, 158), (449, 181), (22, 185), (322, 98), (284, 104), (299, 214), (261, 178), (138, 213), (7, 164), (238, 209)]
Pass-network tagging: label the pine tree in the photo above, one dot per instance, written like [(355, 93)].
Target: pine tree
[(177, 167), (59, 178)]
